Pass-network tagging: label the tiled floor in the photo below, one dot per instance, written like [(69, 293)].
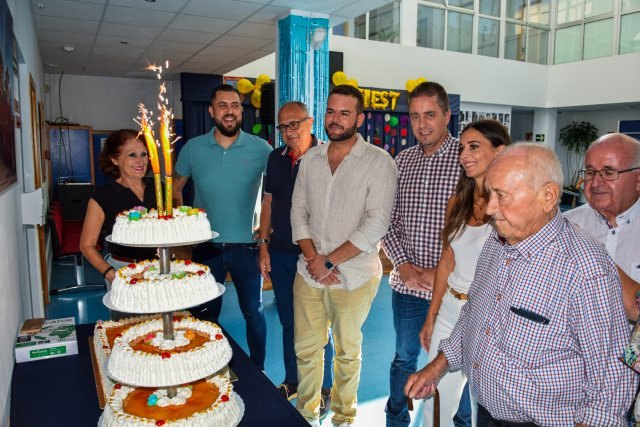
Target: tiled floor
[(378, 346)]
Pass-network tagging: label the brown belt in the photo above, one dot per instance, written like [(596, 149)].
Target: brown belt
[(458, 295)]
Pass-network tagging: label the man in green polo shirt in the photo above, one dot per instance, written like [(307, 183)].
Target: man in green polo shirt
[(227, 166)]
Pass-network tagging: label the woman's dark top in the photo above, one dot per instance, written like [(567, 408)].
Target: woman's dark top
[(114, 198)]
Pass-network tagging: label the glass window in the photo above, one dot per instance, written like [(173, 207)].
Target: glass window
[(384, 23), (490, 7), (488, 37), (630, 33), (516, 9), (537, 42), (598, 39), (430, 27), (360, 27), (459, 32), (341, 30), (567, 48), (569, 10), (467, 4), (597, 7), (514, 42), (629, 5), (539, 11)]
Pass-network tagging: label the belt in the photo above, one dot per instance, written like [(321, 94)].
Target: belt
[(123, 259), (458, 295), (230, 245)]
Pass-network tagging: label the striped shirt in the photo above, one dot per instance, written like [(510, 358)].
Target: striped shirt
[(543, 329), (425, 184)]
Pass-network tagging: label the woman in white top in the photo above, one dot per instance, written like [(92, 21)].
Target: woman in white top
[(466, 229)]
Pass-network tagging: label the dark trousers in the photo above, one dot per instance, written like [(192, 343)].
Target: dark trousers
[(486, 420), (241, 260)]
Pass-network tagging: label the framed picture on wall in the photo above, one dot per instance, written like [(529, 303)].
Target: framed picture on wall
[(99, 138), (8, 88)]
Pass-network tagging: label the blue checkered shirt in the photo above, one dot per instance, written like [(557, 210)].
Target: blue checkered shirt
[(556, 374), (425, 184)]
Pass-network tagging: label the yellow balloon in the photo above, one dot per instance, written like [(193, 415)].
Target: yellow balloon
[(421, 80), (262, 79), (256, 98), (409, 85), (245, 86), (339, 78), (352, 82)]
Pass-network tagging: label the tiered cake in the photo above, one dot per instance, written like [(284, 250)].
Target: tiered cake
[(168, 370)]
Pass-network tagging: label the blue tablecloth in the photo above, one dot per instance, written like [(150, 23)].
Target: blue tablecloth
[(62, 391)]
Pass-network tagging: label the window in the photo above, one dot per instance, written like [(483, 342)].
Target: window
[(488, 37), (514, 42), (569, 11), (490, 7), (459, 32), (630, 5), (598, 38), (516, 9), (430, 27), (537, 42), (630, 33), (467, 4), (538, 12), (384, 23), (360, 27), (567, 48), (597, 7)]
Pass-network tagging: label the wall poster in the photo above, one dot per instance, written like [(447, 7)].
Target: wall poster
[(8, 170)]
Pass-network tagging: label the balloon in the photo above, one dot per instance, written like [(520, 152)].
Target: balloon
[(339, 78), (393, 132), (387, 128), (256, 98), (403, 142), (262, 79), (403, 133), (245, 86), (393, 121), (352, 82), (256, 128), (421, 80), (387, 117), (410, 85)]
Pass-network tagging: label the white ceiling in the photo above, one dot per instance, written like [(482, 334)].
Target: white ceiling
[(120, 37)]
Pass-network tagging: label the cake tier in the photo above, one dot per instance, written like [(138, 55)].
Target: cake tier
[(141, 357), (138, 227), (209, 402), (140, 288), (105, 334)]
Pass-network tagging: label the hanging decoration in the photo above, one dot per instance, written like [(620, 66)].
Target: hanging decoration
[(340, 78), (245, 87), (411, 84)]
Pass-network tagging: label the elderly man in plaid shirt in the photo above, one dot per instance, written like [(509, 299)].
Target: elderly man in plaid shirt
[(541, 335), (427, 177)]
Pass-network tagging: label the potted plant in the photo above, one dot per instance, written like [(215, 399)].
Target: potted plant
[(576, 138)]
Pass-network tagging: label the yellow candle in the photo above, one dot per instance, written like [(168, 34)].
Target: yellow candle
[(165, 142), (148, 137)]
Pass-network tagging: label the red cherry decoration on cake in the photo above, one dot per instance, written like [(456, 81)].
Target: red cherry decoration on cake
[(119, 336), (131, 266), (166, 355), (117, 386), (187, 261), (133, 281), (200, 272), (160, 422), (224, 398), (219, 336), (98, 327)]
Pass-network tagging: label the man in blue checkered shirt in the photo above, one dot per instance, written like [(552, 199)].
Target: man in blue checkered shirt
[(427, 177), (543, 329)]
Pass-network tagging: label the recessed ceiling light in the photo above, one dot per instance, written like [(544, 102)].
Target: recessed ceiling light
[(123, 42), (69, 49), (150, 1)]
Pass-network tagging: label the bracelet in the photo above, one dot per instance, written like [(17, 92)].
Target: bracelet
[(104, 274)]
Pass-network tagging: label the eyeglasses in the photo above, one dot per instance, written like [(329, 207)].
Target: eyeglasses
[(605, 174), (293, 125)]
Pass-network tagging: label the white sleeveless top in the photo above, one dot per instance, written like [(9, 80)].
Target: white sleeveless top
[(466, 250)]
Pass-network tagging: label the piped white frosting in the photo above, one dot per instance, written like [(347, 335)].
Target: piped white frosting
[(129, 366), (150, 229), (221, 413), (140, 288)]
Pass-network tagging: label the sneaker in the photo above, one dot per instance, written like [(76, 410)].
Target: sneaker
[(325, 402), (288, 391)]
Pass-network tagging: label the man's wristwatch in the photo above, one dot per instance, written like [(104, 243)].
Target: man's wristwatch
[(328, 264), (261, 241)]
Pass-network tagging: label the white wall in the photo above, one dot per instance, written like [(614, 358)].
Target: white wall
[(14, 259), (106, 103)]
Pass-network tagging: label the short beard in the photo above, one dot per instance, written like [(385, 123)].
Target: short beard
[(226, 131), (345, 135)]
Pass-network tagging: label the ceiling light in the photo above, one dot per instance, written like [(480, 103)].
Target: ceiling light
[(69, 49), (123, 42)]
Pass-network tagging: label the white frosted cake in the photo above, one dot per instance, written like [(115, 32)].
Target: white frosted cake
[(141, 356), (140, 288), (205, 403), (138, 226)]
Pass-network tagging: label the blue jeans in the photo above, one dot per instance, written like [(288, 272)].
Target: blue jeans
[(283, 273), (409, 313), (241, 260)]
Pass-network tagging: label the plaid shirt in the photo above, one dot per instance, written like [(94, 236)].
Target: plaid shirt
[(424, 187), (543, 330)]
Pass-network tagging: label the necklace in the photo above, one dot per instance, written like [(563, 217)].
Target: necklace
[(476, 205)]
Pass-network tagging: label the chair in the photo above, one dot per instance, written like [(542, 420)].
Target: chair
[(66, 243)]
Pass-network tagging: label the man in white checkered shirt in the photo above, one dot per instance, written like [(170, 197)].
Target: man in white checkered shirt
[(427, 177), (541, 335)]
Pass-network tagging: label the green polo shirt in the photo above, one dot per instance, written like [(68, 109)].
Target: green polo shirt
[(227, 181)]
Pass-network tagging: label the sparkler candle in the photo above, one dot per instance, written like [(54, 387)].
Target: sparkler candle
[(165, 142), (153, 155)]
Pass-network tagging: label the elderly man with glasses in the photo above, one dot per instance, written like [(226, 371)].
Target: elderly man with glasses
[(278, 254), (612, 187)]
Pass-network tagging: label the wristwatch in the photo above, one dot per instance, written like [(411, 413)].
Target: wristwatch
[(261, 241), (328, 264)]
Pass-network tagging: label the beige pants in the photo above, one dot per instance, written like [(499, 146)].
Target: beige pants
[(315, 310)]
